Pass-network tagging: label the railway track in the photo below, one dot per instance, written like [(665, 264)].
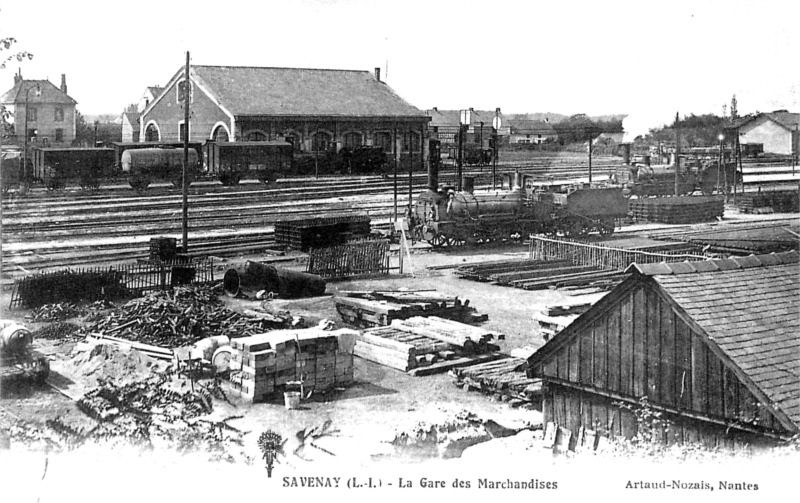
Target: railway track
[(49, 230)]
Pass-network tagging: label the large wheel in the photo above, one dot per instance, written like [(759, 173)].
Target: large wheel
[(139, 182), (606, 226)]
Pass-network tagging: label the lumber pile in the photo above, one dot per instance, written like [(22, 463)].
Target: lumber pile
[(359, 258), (539, 274), (368, 309), (264, 364), (418, 342), (549, 326), (677, 210), (504, 379)]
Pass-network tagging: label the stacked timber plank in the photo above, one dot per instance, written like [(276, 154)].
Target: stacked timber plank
[(677, 210), (539, 274), (266, 363), (305, 233), (380, 308), (555, 318), (504, 379), (433, 343)]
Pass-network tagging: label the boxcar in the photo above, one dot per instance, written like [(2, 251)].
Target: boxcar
[(57, 166), (234, 161)]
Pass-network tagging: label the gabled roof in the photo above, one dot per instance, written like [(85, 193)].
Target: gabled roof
[(252, 91), (750, 308), (49, 93), (787, 120), (132, 117), (526, 126), (452, 118), (155, 91)]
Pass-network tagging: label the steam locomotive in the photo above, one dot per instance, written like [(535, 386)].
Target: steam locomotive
[(659, 180), (448, 218)]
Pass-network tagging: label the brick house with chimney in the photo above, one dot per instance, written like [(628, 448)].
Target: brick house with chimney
[(50, 112)]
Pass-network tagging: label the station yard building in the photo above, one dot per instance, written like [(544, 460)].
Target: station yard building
[(314, 109), (713, 345)]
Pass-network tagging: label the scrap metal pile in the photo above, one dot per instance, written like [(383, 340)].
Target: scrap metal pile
[(180, 318)]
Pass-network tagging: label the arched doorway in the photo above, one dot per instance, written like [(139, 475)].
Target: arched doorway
[(353, 140), (151, 133), (220, 134), (321, 140)]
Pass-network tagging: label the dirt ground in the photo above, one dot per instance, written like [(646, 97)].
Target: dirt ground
[(382, 400), (364, 417)]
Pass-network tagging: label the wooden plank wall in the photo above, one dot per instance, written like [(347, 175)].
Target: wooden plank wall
[(573, 409), (640, 347)]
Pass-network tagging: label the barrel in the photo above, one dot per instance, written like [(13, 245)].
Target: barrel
[(258, 276)]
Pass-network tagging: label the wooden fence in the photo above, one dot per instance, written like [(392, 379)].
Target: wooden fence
[(359, 258), (542, 248), (124, 280)]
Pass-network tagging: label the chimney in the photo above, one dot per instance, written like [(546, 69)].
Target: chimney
[(63, 83), (378, 73), (497, 110), (435, 109), (18, 76), (471, 109)]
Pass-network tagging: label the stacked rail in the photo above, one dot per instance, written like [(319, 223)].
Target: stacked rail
[(539, 274), (779, 201), (361, 258)]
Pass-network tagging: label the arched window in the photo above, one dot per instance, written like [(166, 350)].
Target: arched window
[(384, 140), (353, 140), (293, 138), (151, 133), (321, 140), (221, 134)]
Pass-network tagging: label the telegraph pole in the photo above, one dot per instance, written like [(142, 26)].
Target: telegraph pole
[(186, 97), (394, 154), (677, 152)]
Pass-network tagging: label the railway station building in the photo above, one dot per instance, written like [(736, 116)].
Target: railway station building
[(313, 109), (713, 346), (777, 132)]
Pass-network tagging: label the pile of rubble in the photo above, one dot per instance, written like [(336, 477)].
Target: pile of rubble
[(182, 317), (57, 331), (55, 312)]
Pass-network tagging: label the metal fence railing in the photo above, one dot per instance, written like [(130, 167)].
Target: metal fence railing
[(359, 258), (94, 283), (542, 248)]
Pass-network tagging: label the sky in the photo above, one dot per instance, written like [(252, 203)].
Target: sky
[(646, 59)]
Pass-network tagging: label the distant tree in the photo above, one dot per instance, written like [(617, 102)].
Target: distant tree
[(86, 133), (734, 109), (577, 128), (5, 45)]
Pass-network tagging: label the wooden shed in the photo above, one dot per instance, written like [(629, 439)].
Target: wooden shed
[(714, 346)]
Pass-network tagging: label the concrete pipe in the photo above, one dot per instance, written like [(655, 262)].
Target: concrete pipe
[(287, 284)]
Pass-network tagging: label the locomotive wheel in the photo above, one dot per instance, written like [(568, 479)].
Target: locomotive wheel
[(268, 177), (441, 241), (606, 226), (139, 182)]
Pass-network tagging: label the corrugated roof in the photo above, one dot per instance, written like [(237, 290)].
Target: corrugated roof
[(300, 91), (49, 93), (749, 307)]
